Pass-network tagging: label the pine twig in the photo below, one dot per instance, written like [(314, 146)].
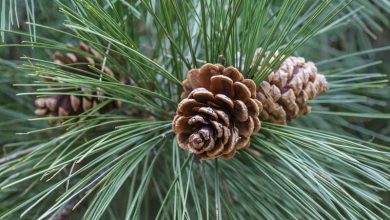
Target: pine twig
[(65, 212), (67, 209), (17, 154)]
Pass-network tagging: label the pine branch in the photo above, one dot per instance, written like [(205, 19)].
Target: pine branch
[(130, 165)]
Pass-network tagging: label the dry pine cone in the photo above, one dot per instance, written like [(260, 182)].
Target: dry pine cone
[(286, 91), (218, 112), (66, 105)]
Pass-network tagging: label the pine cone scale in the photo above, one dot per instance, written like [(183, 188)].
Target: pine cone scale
[(222, 85), (202, 95), (251, 86), (225, 100), (241, 91), (240, 111)]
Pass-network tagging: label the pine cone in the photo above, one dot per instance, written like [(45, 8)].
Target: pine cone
[(66, 105), (218, 112), (286, 91)]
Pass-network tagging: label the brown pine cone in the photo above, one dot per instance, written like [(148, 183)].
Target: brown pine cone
[(67, 105), (286, 91), (218, 112)]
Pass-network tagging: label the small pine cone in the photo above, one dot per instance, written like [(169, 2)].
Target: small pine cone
[(67, 105), (218, 112), (286, 91)]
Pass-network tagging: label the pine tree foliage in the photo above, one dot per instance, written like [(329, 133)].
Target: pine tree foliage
[(126, 163)]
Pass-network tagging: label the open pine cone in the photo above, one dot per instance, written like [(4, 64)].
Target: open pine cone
[(218, 112), (66, 105), (286, 91)]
